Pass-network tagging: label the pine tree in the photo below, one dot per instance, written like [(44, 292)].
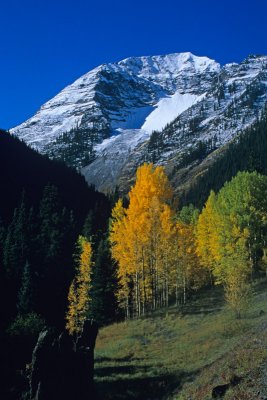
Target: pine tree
[(88, 225), (15, 254), (25, 295), (103, 307), (54, 249), (16, 249), (50, 235)]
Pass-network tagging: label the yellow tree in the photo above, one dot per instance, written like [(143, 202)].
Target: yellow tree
[(168, 251), (79, 289), (121, 253), (136, 237), (207, 233)]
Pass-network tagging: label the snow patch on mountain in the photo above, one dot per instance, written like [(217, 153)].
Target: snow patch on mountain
[(168, 109), (132, 119)]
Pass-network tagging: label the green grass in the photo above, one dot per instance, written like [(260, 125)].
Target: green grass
[(180, 355)]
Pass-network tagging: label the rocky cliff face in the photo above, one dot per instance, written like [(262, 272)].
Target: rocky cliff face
[(173, 110), (234, 102)]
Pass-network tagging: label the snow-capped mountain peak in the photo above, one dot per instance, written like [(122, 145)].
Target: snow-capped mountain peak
[(168, 65), (105, 120), (111, 95)]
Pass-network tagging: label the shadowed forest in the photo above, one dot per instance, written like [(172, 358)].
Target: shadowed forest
[(173, 288)]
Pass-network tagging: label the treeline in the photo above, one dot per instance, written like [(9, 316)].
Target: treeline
[(163, 256), (246, 153), (75, 148)]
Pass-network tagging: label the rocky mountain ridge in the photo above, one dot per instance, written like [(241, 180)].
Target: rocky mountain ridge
[(173, 110)]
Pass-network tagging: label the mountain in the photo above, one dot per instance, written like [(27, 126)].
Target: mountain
[(175, 110), (247, 152)]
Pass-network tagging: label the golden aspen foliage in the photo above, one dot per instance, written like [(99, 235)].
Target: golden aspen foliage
[(72, 314), (168, 250), (79, 289), (160, 258), (121, 252), (207, 233), (137, 236)]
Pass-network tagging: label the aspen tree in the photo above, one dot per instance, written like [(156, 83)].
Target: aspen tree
[(79, 289), (136, 238), (231, 234)]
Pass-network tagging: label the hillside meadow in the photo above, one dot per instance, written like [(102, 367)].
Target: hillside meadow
[(183, 353)]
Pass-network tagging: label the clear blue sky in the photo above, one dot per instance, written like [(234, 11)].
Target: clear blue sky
[(47, 44)]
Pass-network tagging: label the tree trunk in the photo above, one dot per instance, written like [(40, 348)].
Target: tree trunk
[(167, 292), (176, 294), (184, 294)]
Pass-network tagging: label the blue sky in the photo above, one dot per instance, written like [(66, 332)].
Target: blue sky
[(47, 44)]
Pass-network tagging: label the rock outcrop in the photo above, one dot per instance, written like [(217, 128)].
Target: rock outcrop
[(62, 368)]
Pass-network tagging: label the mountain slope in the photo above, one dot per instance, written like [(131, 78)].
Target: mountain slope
[(114, 97), (247, 152), (173, 110), (27, 171), (233, 103)]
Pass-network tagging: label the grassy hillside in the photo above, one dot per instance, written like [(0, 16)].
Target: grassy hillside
[(183, 354)]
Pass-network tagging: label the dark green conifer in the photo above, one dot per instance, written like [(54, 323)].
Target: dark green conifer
[(16, 243), (104, 286), (25, 295)]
